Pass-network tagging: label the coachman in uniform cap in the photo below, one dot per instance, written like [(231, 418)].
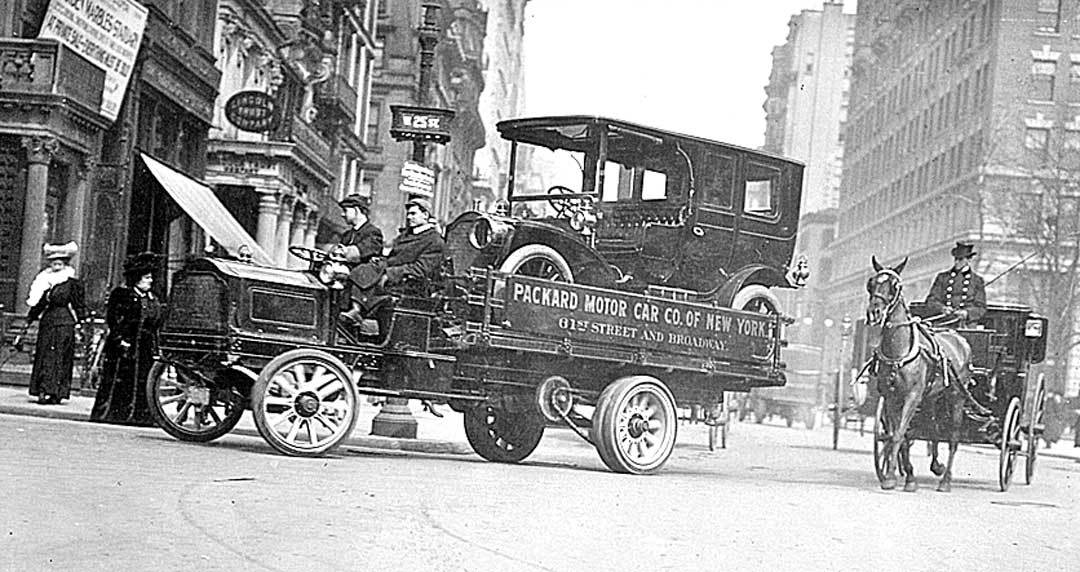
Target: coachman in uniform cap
[(958, 294)]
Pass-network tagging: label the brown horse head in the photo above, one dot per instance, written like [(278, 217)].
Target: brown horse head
[(884, 288)]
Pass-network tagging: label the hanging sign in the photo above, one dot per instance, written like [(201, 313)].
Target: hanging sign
[(408, 123), (417, 179), (254, 111), (105, 32)]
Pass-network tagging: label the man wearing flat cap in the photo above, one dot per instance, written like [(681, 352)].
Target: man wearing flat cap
[(414, 260), (958, 295), (363, 241)]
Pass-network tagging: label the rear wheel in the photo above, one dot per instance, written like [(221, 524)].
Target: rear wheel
[(634, 425), (756, 298), (1010, 443), (1034, 428), (304, 403), (189, 407), (503, 436)]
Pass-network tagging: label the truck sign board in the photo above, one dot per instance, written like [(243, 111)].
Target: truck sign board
[(576, 312)]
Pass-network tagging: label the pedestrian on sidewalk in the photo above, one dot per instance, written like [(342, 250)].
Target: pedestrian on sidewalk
[(133, 315), (56, 298)]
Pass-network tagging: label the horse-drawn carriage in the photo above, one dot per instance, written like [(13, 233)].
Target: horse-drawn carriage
[(534, 322), (1001, 404)]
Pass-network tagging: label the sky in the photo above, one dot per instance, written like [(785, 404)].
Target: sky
[(696, 66)]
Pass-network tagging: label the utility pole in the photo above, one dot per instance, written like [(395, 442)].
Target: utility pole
[(838, 393)]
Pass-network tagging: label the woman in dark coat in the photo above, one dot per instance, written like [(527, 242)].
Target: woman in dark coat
[(134, 315), (57, 298)]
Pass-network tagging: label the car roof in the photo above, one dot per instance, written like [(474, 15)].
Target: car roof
[(508, 127)]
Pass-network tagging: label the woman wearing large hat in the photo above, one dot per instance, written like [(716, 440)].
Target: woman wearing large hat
[(134, 315), (56, 298)]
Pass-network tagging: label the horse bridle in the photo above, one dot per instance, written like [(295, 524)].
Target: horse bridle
[(890, 304)]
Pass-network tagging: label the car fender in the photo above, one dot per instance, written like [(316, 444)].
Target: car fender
[(587, 265)]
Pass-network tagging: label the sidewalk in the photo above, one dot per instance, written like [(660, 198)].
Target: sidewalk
[(434, 435)]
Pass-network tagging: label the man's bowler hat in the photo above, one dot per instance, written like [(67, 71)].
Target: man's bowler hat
[(354, 200), (963, 250)]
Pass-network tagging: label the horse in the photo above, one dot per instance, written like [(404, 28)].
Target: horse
[(914, 367)]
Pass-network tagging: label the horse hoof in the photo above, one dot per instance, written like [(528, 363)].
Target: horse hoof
[(944, 487), (888, 484), (910, 487), (937, 468)]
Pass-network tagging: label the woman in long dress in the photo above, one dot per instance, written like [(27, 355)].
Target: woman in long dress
[(56, 298), (134, 315)]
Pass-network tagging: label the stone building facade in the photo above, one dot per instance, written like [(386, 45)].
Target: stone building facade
[(956, 106)]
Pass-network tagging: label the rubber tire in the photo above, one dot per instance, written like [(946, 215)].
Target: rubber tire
[(614, 397), (524, 254), (1038, 409), (483, 427), (1010, 430), (232, 417), (258, 396), (879, 427), (752, 292)]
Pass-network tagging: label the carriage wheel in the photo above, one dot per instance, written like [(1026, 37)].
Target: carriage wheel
[(634, 425), (188, 408), (503, 436), (304, 403), (1034, 428), (882, 432), (1010, 443)]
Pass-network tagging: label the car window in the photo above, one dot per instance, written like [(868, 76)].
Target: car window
[(762, 182), (618, 182), (716, 180), (653, 186)]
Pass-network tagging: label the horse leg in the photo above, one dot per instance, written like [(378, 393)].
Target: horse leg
[(945, 485), (935, 466), (899, 441), (910, 485)]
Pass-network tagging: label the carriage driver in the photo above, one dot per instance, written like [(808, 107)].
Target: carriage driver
[(958, 295)]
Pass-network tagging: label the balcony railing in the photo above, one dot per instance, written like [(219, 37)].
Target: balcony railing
[(309, 140), (43, 67), (337, 99)]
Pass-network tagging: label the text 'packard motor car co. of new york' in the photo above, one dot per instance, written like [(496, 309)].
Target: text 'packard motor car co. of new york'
[(581, 312)]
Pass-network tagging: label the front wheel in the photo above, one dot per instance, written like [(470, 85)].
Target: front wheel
[(538, 261), (304, 403), (1010, 443), (503, 436), (189, 407), (634, 425)]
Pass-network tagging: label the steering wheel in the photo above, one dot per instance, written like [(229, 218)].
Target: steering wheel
[(563, 207), (306, 254)]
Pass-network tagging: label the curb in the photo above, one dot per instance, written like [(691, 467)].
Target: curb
[(353, 441)]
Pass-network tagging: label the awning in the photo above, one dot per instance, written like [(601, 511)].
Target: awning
[(203, 206)]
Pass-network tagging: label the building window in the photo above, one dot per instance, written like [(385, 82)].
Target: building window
[(1043, 80), (1048, 16), (1072, 140), (1036, 138), (1074, 81), (371, 137)]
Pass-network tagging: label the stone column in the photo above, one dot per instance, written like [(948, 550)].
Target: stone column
[(299, 229), (284, 231), (76, 200), (312, 229), (39, 152), (267, 226)]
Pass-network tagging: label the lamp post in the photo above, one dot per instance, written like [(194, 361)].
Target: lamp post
[(428, 35), (838, 393)]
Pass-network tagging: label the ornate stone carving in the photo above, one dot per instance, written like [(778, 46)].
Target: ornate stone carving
[(40, 149)]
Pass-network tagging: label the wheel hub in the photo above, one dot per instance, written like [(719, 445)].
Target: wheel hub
[(637, 426), (307, 404)]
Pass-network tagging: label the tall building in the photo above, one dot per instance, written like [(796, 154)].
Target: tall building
[(504, 94), (73, 136), (964, 126), (806, 104), (457, 81), (314, 62)]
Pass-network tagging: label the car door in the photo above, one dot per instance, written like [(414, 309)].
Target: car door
[(766, 219), (710, 238)]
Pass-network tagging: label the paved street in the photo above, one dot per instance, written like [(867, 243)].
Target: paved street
[(82, 496)]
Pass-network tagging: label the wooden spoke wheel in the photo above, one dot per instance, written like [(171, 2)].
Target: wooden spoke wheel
[(882, 434), (1034, 427), (538, 261), (304, 403), (189, 408), (634, 425), (1010, 443), (503, 436)]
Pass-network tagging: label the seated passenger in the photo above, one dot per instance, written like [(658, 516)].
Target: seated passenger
[(413, 263), (363, 241)]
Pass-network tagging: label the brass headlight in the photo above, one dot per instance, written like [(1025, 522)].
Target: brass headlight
[(486, 232)]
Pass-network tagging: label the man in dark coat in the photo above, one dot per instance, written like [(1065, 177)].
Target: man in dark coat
[(958, 294), (363, 241), (414, 261)]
